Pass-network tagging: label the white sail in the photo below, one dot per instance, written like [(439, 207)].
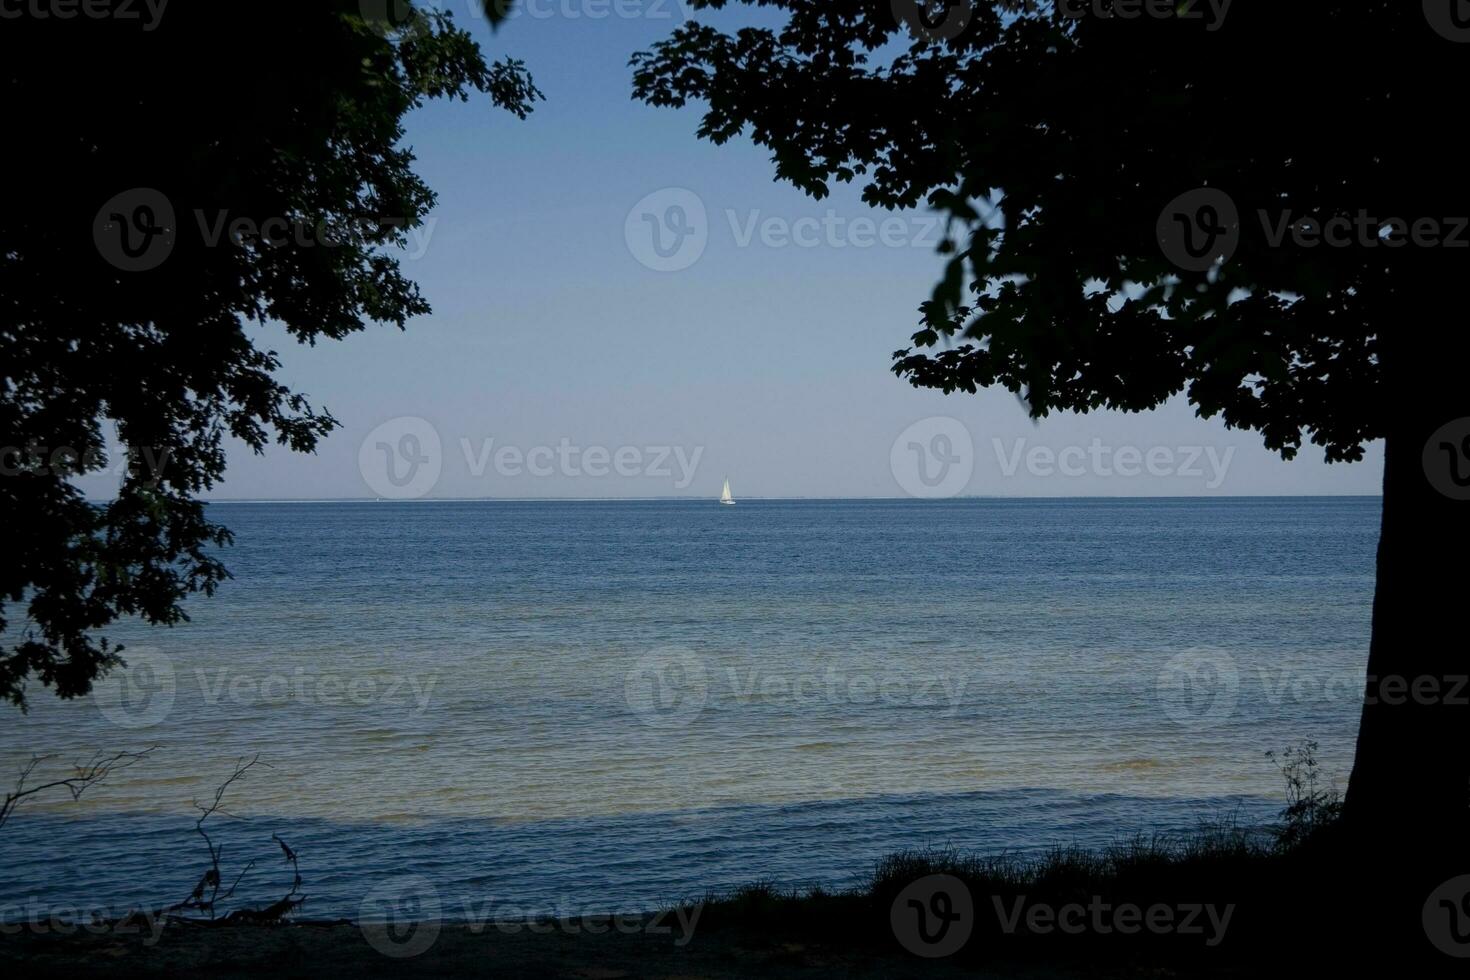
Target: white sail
[(725, 497)]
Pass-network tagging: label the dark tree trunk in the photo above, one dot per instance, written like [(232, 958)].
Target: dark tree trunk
[(1413, 757), (1406, 809)]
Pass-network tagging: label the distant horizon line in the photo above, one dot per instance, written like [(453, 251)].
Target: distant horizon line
[(702, 497)]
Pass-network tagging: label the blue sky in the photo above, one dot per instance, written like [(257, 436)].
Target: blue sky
[(764, 359)]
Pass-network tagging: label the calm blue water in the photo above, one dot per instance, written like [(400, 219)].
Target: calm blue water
[(603, 706)]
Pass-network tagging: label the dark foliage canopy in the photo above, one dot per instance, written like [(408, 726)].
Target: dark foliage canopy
[(130, 142), (1056, 134)]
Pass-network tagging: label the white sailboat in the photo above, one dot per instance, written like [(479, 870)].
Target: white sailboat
[(725, 497)]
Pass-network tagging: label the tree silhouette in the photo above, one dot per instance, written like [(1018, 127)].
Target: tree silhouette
[(173, 183), (1261, 212)]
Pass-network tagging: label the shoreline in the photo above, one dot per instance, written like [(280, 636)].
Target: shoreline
[(1221, 904), (333, 950), (1142, 908)]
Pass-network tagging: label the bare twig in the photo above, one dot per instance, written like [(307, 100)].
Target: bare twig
[(84, 776), (206, 894), (274, 911)]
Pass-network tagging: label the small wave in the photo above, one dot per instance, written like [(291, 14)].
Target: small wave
[(1132, 765)]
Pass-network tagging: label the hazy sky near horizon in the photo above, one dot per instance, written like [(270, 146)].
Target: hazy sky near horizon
[(762, 356)]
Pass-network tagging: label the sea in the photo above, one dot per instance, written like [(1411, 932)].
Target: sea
[(577, 707)]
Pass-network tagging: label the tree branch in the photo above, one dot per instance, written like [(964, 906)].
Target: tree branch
[(85, 776)]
